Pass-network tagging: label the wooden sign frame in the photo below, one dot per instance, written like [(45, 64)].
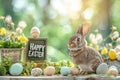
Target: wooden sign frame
[(36, 50)]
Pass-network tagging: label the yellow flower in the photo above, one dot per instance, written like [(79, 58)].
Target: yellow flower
[(57, 64), (90, 44), (71, 65), (35, 65), (25, 74), (112, 54), (114, 28), (104, 51), (97, 47), (22, 39), (2, 31)]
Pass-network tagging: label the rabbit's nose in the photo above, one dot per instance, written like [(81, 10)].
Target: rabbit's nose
[(72, 45)]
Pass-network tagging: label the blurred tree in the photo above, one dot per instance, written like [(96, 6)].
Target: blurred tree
[(103, 17), (115, 11)]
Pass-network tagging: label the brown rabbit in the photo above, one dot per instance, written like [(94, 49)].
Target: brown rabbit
[(86, 57)]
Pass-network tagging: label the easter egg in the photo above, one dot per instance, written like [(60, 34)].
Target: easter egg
[(74, 71), (113, 71), (49, 71), (35, 32), (112, 54), (16, 69), (102, 68), (118, 56), (65, 70), (36, 71)]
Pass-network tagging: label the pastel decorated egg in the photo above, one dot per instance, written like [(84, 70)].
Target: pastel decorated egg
[(74, 71), (102, 68), (16, 69), (65, 70), (36, 71), (35, 32), (112, 54), (118, 56), (49, 71), (113, 71)]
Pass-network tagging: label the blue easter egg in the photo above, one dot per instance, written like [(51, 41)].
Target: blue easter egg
[(16, 69), (65, 70), (102, 68)]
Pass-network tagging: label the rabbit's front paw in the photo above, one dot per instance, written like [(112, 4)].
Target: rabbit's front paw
[(83, 72)]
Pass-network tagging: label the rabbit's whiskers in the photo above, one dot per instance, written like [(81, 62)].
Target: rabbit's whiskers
[(79, 46)]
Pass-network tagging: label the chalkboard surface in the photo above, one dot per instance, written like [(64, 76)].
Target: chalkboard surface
[(36, 49)]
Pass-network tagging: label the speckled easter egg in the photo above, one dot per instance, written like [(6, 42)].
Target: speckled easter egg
[(49, 71), (36, 71), (65, 70), (113, 71), (102, 68), (16, 69), (74, 71)]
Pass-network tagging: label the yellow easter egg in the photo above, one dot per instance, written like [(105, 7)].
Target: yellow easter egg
[(112, 54)]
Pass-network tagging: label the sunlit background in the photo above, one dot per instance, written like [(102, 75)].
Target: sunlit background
[(59, 19)]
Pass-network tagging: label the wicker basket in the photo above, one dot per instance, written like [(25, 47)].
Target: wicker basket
[(14, 53)]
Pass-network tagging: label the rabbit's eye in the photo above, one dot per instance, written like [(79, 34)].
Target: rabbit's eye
[(78, 39)]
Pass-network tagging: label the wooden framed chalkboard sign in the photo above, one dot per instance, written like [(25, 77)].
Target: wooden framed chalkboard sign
[(36, 49)]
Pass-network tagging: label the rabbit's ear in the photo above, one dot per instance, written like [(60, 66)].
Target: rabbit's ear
[(83, 29), (79, 30)]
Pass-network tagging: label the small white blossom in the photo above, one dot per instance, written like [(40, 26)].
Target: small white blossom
[(117, 48), (19, 30), (118, 40), (22, 24), (92, 36), (95, 39), (115, 35), (99, 38), (8, 19)]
